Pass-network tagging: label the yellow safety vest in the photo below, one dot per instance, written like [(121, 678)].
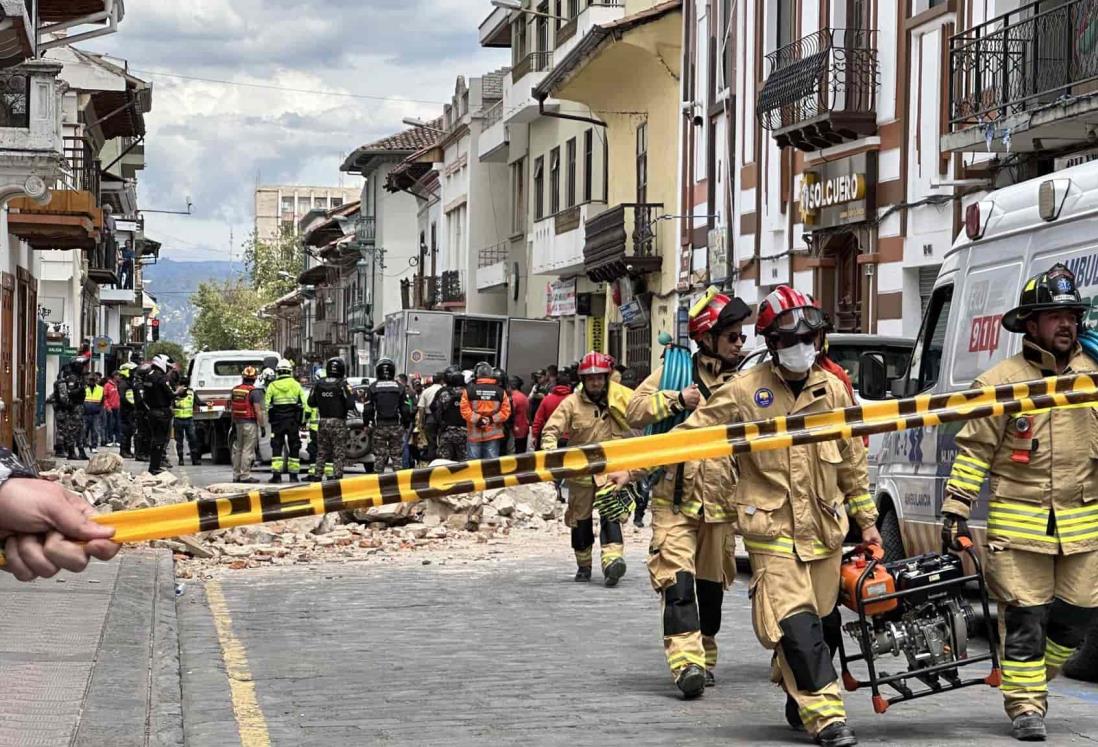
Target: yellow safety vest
[(94, 395), (314, 417), (184, 407)]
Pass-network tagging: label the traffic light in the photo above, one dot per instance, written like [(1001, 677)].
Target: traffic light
[(155, 329)]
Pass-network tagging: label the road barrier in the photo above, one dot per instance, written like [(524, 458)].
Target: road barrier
[(644, 452)]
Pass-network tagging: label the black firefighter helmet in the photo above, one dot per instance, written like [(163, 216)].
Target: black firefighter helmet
[(1047, 291)]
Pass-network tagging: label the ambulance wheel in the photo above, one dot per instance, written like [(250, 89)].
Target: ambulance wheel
[(889, 526)]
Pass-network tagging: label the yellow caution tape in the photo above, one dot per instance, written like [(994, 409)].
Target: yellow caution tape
[(644, 452)]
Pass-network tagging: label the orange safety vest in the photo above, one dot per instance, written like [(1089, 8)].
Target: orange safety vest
[(241, 402)]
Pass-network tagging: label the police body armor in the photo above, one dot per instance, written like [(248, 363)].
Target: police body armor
[(329, 399), (449, 407), (386, 401)]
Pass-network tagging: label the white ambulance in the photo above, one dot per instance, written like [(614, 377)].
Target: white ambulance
[(1009, 235)]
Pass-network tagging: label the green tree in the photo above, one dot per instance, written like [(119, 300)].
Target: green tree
[(171, 349), (228, 317), (273, 266)]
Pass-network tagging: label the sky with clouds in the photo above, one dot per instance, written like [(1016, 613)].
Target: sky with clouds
[(213, 141)]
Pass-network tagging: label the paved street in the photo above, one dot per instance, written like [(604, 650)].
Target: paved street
[(503, 652)]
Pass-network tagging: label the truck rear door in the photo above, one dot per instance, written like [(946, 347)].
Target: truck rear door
[(531, 344), (428, 342)]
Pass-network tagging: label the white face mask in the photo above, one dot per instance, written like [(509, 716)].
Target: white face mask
[(798, 358)]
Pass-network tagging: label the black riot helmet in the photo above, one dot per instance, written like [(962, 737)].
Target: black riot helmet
[(483, 371), (335, 368), (500, 376), (454, 376), (385, 370)]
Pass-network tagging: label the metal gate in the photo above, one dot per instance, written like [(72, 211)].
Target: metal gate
[(638, 350)]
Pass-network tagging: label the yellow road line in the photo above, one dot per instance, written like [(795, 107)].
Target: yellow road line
[(249, 718)]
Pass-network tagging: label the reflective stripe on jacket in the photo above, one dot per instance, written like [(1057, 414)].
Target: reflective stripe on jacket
[(1041, 468), (184, 407), (241, 402)]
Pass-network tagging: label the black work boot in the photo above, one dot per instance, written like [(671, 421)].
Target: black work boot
[(1083, 665), (583, 573), (691, 681), (837, 734), (276, 477), (71, 456), (1029, 727), (291, 476), (793, 713), (613, 572), (312, 478), (710, 678), (83, 454)]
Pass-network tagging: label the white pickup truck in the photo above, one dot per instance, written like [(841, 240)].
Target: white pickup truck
[(213, 375)]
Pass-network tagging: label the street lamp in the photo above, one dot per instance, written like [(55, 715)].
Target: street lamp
[(516, 5), (413, 122)]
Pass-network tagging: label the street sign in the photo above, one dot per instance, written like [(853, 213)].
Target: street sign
[(69, 352), (102, 345), (55, 348)]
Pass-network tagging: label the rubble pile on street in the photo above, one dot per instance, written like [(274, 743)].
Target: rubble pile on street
[(108, 488), (444, 523)]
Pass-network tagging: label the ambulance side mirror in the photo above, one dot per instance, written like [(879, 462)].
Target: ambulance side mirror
[(872, 376)]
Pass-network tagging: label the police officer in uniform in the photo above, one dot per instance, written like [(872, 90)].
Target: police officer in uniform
[(183, 421), (693, 518), (158, 397), (127, 402), (333, 398), (312, 416), (141, 412), (1042, 528), (386, 411), (286, 411), (453, 431), (68, 407), (792, 508)]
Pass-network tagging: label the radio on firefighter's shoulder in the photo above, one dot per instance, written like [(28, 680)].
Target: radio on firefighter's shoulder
[(915, 610)]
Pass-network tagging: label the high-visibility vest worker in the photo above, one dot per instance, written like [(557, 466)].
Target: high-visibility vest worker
[(94, 395), (184, 406)]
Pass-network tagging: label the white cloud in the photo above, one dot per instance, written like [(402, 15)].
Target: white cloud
[(213, 141)]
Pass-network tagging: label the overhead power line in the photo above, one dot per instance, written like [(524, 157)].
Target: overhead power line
[(272, 87)]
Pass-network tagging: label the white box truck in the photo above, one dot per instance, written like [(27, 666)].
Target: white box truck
[(426, 342)]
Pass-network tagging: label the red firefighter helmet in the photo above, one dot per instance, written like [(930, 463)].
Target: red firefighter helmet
[(790, 311), (595, 363), (713, 312)]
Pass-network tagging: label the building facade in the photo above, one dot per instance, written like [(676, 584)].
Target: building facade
[(280, 207)]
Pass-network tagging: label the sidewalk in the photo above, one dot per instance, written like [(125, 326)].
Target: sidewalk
[(92, 658)]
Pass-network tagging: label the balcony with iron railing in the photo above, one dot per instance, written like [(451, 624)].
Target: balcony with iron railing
[(1030, 72), (493, 138), (622, 240), (821, 90), (492, 266), (103, 262), (558, 239)]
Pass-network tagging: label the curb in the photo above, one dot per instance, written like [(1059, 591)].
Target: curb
[(133, 695)]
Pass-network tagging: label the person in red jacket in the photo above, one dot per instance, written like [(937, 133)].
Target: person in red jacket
[(111, 403), (520, 410), (549, 404)]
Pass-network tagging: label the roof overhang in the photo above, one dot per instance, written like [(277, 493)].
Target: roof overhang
[(495, 30), (652, 31), (323, 274)]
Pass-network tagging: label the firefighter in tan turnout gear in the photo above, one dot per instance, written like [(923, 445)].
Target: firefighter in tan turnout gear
[(792, 508), (690, 558), (1042, 528), (594, 413)]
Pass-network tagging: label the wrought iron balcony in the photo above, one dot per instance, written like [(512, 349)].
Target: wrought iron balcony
[(535, 62), (1023, 60), (612, 233), (490, 255), (103, 261), (493, 114), (365, 229), (83, 165), (821, 89)]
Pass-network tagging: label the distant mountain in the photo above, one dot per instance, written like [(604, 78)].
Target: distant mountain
[(172, 283)]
